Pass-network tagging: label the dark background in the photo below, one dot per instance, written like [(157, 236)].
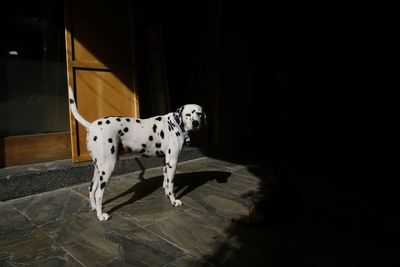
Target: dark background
[(307, 88), (286, 72)]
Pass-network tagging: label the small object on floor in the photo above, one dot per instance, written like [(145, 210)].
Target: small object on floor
[(271, 209)]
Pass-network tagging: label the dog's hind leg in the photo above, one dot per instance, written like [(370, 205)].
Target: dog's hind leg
[(106, 170), (93, 187), (142, 169)]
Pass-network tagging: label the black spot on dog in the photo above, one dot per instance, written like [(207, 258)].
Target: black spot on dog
[(103, 173), (103, 184), (169, 151), (169, 193), (128, 120), (110, 140), (151, 138), (142, 151), (126, 129), (118, 119), (112, 150), (71, 101), (167, 181), (158, 145), (193, 111), (101, 178), (91, 186), (160, 154), (108, 121), (99, 122), (178, 134), (162, 134), (138, 121), (154, 128), (188, 114), (95, 138), (143, 145), (158, 118), (169, 128)]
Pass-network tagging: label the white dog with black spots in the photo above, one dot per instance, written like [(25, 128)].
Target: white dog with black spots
[(160, 136)]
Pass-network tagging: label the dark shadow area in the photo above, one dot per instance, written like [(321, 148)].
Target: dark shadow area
[(310, 90), (326, 209), (184, 184), (187, 182)]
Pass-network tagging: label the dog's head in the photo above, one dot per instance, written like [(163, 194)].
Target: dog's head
[(191, 117)]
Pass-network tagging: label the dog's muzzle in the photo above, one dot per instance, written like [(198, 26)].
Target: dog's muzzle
[(195, 124)]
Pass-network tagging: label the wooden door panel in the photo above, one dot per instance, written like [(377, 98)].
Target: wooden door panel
[(36, 148), (100, 94), (99, 34), (100, 63)]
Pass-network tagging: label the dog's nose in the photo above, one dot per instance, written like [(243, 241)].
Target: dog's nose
[(196, 124)]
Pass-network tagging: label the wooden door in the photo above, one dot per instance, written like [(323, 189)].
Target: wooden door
[(100, 63)]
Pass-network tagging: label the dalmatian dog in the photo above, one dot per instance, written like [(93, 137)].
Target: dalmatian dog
[(160, 136)]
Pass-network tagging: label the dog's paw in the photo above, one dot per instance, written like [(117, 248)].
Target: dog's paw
[(177, 203), (104, 217)]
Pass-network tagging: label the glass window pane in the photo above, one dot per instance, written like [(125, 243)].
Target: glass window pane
[(33, 82)]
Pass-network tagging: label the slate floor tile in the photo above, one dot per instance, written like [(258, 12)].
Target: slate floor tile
[(196, 232), (52, 206), (116, 242), (23, 244)]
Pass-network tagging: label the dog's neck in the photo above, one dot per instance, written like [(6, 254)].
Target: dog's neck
[(181, 128)]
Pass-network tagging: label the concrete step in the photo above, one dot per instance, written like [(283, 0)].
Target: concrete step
[(20, 181)]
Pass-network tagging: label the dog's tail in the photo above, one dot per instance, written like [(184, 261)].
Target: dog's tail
[(74, 110)]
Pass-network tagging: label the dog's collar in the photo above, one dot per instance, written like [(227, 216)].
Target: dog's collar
[(181, 130)]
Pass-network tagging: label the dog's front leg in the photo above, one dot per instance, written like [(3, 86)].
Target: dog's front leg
[(169, 188), (165, 173)]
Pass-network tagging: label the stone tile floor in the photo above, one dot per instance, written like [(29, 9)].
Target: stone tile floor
[(57, 229)]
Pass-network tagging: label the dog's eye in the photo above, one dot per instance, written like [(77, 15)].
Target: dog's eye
[(199, 113), (187, 114)]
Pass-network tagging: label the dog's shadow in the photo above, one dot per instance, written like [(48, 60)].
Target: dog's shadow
[(184, 183)]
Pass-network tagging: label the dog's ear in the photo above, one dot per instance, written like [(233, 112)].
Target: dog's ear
[(179, 111), (178, 118), (204, 117)]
